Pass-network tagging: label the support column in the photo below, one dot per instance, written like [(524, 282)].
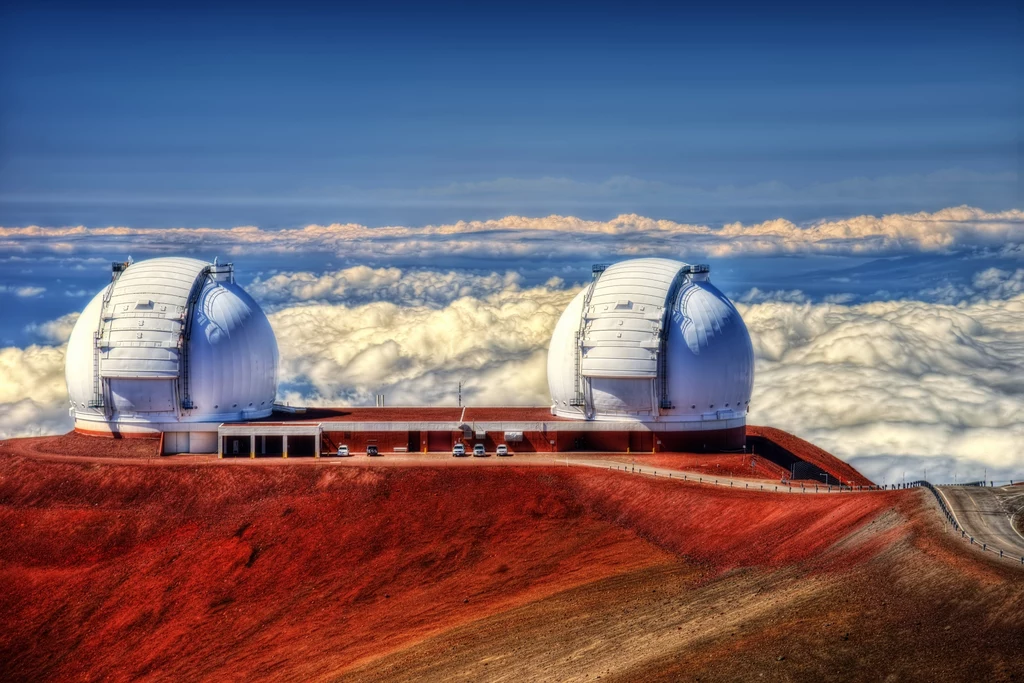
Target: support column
[(316, 445), (220, 445), (284, 446), (252, 445)]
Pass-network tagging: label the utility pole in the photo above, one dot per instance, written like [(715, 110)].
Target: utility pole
[(460, 394)]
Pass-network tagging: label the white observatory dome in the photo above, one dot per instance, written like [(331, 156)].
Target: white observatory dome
[(652, 340), (170, 345)]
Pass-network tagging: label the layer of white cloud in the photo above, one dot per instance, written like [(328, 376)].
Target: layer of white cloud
[(896, 385), (558, 237), (991, 283), (890, 386), (54, 331), (33, 396), (25, 291), (361, 284), (417, 355)]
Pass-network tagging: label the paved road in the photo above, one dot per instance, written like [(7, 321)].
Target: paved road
[(985, 514)]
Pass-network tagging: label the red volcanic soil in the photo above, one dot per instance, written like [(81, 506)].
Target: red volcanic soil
[(710, 464), (83, 445), (810, 453), (117, 571)]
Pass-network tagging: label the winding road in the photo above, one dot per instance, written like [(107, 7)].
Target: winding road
[(986, 514)]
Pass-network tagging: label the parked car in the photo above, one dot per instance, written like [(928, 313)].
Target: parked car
[(372, 451), (459, 450), (503, 450), (478, 451), (343, 451)]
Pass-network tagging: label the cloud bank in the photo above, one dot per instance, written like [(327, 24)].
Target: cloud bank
[(891, 386), (33, 396), (559, 237), (362, 284), (24, 291)]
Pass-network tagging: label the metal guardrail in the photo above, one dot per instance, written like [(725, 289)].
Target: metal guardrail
[(790, 488), (782, 486), (951, 518)]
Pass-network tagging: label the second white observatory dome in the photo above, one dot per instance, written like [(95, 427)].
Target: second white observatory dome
[(651, 340)]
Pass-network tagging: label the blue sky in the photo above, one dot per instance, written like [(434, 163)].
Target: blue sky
[(852, 173), (277, 116)]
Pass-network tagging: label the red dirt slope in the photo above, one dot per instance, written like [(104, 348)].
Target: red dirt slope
[(808, 452), (81, 445), (120, 571)]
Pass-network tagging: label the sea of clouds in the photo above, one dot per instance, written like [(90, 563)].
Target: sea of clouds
[(558, 237), (933, 380)]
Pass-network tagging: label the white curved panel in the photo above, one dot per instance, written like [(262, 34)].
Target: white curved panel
[(78, 362), (623, 320), (233, 354), (562, 358), (144, 318)]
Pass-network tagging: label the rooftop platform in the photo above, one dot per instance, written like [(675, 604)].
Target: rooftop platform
[(420, 414), (485, 418)]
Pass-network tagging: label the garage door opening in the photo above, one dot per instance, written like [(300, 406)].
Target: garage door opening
[(301, 446)]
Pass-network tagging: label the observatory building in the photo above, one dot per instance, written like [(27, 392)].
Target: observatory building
[(649, 357), (171, 346)]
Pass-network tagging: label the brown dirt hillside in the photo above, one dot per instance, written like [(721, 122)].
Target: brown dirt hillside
[(117, 571)]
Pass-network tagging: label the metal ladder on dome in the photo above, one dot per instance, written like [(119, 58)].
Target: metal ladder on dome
[(578, 398), (116, 269)]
